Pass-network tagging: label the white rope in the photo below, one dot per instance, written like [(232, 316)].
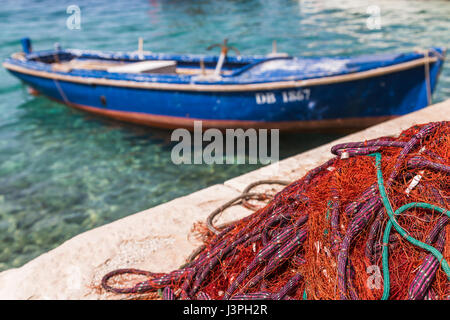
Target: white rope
[(219, 64)]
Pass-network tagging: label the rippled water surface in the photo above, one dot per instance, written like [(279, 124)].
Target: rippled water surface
[(63, 171)]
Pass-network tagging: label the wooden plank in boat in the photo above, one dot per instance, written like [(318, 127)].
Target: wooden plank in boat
[(160, 66)]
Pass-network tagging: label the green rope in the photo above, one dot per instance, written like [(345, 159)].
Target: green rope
[(401, 231), (325, 232), (329, 209)]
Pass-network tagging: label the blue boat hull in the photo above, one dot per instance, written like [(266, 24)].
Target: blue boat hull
[(350, 102)]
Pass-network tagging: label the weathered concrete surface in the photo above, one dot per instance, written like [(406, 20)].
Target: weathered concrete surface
[(161, 238)]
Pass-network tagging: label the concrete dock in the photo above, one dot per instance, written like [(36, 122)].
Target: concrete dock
[(161, 238)]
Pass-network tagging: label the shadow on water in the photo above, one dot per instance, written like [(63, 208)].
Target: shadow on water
[(50, 115)]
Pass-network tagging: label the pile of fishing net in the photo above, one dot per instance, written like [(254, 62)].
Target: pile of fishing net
[(371, 223)]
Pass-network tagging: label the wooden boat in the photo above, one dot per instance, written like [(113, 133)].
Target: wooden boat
[(274, 91)]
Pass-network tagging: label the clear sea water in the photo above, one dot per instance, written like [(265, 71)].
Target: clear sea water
[(63, 171)]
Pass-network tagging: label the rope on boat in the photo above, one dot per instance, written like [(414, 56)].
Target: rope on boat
[(61, 92), (426, 53), (427, 78)]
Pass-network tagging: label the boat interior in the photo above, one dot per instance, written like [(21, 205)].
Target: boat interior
[(146, 66), (272, 67), (170, 64)]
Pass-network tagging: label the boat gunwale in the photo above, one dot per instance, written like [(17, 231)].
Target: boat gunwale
[(214, 87)]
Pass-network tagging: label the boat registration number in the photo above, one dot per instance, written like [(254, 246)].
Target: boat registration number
[(286, 96)]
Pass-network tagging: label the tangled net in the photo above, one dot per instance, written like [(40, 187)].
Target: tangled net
[(371, 223)]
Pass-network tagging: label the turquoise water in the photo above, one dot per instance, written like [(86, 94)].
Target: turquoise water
[(63, 171)]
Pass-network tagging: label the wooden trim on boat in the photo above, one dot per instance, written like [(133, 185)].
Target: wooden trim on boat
[(225, 87), (170, 122)]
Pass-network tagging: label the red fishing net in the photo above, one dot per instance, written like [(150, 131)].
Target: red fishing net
[(324, 236)]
